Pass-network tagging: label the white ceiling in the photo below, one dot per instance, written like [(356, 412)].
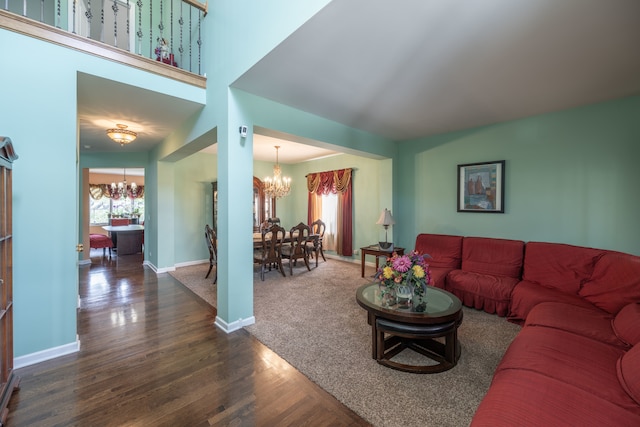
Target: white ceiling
[(413, 68)]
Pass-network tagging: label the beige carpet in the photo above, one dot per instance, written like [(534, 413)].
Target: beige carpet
[(312, 320)]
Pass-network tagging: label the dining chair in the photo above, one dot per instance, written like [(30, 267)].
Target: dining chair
[(315, 246), (269, 253), (212, 243), (297, 248)]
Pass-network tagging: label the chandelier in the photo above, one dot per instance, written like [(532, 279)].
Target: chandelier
[(277, 186), (122, 135), (121, 190)]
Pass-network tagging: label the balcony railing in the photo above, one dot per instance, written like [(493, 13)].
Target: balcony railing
[(167, 31)]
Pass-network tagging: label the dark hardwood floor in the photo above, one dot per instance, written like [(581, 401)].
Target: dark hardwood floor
[(151, 356)]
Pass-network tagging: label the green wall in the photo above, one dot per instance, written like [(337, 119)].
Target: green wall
[(571, 177)]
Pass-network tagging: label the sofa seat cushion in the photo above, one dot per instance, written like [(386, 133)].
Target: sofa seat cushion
[(628, 369), (581, 362), (482, 291), (500, 257), (590, 323), (559, 266), (626, 324), (527, 295), (530, 399), (444, 250), (615, 282)]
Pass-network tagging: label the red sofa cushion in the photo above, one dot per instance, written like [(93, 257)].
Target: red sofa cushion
[(588, 322), (626, 324), (529, 399), (482, 291), (615, 282), (445, 250), (628, 369), (584, 363), (500, 257), (527, 295), (559, 266)]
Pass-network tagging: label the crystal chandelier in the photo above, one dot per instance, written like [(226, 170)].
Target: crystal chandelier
[(122, 135), (277, 186), (121, 191)]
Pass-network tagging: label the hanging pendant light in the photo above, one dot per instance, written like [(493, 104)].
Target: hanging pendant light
[(277, 186), (121, 190)]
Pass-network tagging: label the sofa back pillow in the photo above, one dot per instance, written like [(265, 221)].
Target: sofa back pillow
[(629, 374), (445, 250), (615, 282), (497, 257), (626, 324), (559, 266)]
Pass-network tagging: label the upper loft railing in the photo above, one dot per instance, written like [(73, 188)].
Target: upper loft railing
[(168, 32)]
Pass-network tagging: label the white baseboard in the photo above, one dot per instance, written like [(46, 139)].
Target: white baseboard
[(234, 326), (189, 263), (44, 355)]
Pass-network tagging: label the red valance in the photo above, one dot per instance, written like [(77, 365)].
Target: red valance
[(336, 181)]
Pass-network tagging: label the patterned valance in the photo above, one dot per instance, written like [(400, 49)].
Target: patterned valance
[(336, 181), (98, 191)]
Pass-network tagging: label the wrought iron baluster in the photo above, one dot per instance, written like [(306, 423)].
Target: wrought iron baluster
[(58, 15), (181, 22), (41, 10), (115, 9), (199, 41), (171, 43), (128, 33), (102, 23), (150, 28), (190, 37), (139, 32), (89, 15), (74, 17)]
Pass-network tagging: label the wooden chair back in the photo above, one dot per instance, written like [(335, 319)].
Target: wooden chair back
[(212, 244)]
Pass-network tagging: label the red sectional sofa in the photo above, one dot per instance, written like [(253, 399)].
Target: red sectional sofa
[(576, 360)]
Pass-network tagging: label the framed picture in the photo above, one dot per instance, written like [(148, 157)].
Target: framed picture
[(481, 187)]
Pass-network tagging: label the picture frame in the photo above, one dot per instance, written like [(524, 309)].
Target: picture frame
[(481, 187)]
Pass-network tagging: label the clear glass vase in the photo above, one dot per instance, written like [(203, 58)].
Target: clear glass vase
[(419, 299)]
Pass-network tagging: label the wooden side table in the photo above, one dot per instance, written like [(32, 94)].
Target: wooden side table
[(377, 252)]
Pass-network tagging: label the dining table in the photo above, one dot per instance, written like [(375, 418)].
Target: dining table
[(127, 239)]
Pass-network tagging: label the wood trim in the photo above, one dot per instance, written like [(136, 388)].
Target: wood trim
[(198, 5), (47, 33)]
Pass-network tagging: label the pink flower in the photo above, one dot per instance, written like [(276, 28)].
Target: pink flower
[(402, 264)]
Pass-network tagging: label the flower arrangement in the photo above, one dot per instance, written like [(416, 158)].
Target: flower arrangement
[(406, 270)]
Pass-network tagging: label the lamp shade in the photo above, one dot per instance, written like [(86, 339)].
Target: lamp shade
[(385, 218)]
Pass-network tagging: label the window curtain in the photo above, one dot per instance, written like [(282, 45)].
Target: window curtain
[(98, 191), (338, 182)]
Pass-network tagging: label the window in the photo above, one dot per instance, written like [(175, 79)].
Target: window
[(330, 219), (100, 209)]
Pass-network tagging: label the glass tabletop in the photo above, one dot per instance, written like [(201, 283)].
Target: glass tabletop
[(439, 301)]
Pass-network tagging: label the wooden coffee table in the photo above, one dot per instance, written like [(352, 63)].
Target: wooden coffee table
[(393, 329)]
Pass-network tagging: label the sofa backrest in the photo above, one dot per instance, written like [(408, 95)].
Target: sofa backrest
[(497, 257), (445, 250), (615, 282), (560, 266)]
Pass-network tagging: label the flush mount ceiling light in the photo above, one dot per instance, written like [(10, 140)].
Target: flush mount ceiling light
[(122, 135)]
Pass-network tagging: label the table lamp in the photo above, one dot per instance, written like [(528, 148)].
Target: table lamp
[(386, 220)]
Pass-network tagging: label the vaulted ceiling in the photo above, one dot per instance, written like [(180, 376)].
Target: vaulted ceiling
[(413, 68)]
